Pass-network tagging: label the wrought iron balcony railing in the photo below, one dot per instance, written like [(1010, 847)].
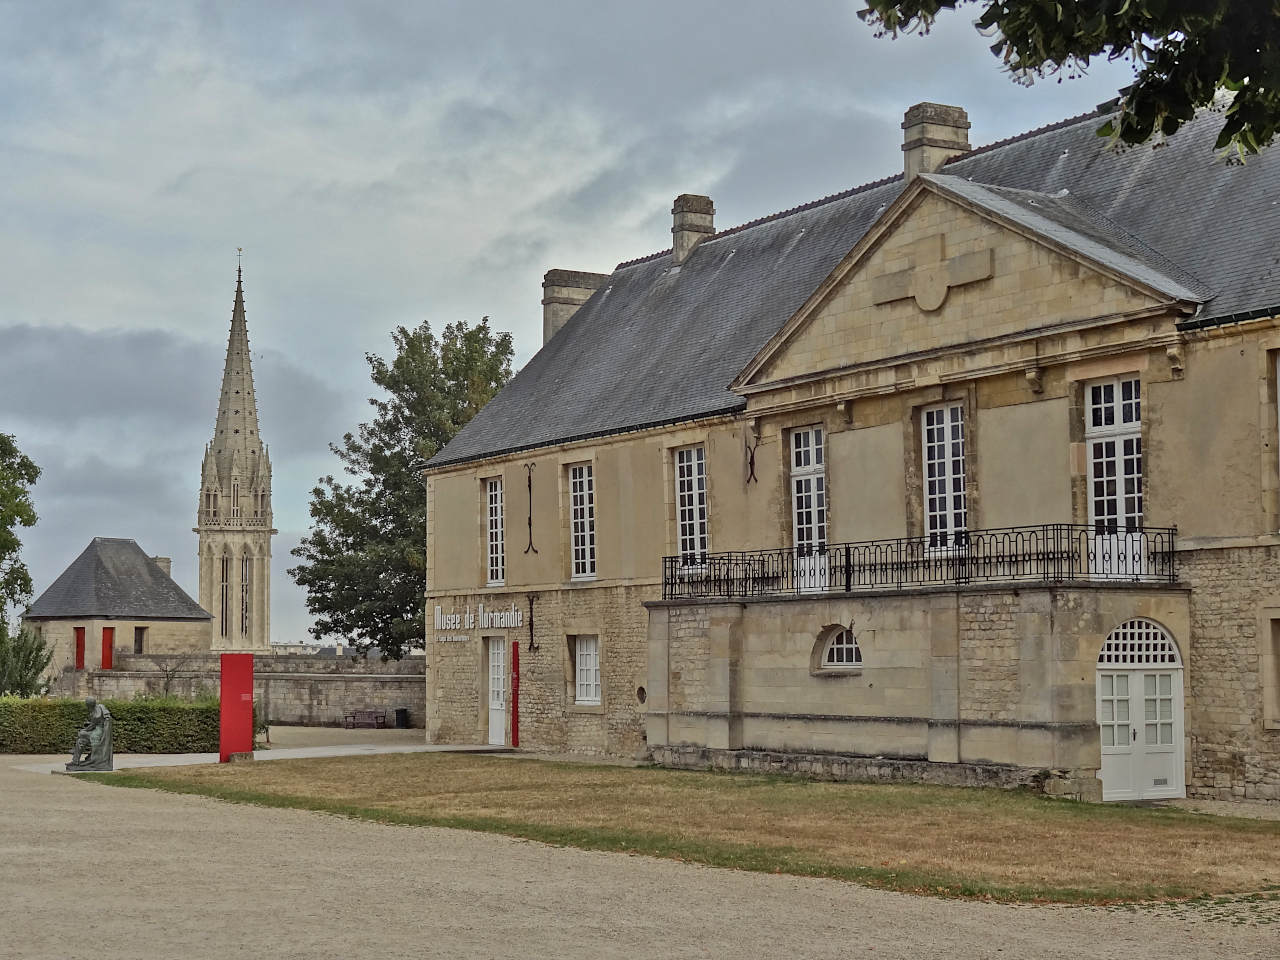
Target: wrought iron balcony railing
[(1048, 553)]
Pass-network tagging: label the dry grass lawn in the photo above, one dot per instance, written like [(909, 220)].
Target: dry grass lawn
[(923, 839)]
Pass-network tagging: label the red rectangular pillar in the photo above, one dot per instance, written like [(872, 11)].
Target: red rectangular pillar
[(515, 693), (79, 648), (108, 646), (236, 714)]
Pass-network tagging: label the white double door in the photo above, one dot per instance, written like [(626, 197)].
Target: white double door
[(1140, 721), (497, 657), (809, 531)]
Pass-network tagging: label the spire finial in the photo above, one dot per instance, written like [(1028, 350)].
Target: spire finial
[(239, 250)]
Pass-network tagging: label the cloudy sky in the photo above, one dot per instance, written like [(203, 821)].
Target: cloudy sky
[(383, 164)]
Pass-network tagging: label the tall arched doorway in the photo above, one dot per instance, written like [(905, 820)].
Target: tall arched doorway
[(1139, 687)]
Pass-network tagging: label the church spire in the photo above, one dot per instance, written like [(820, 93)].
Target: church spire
[(234, 516), (236, 430)]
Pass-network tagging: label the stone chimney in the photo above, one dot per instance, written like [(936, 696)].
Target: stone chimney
[(693, 220), (164, 563), (933, 134), (563, 292)]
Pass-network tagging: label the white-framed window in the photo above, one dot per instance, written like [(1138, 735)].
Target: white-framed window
[(842, 651), (497, 549), (946, 504), (582, 521), (808, 489), (1113, 434), (809, 508), (691, 505), (586, 670)]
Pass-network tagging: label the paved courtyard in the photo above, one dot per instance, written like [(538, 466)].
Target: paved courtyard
[(101, 872)]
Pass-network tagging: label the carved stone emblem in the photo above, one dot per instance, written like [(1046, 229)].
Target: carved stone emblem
[(932, 275)]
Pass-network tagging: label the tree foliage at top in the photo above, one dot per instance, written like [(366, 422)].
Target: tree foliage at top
[(364, 561), (17, 475), (1183, 53)]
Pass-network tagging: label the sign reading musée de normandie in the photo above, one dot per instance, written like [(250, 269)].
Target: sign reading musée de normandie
[(480, 619)]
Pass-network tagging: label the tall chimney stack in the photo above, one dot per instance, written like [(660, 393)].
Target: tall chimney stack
[(933, 134), (165, 564), (563, 292), (693, 220)]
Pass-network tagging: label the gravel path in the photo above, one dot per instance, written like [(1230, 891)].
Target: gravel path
[(90, 871)]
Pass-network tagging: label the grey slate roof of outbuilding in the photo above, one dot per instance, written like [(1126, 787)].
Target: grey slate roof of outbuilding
[(660, 343), (115, 579)]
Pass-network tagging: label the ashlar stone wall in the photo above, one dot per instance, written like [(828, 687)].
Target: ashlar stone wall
[(1233, 716), (549, 717), (968, 677), (161, 636)]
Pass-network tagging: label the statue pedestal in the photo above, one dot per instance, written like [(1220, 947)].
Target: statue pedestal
[(104, 767)]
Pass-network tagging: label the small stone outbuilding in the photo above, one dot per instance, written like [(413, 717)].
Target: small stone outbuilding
[(114, 597)]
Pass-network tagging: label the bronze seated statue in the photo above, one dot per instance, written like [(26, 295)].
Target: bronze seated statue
[(93, 750)]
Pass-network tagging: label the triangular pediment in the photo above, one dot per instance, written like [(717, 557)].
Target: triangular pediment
[(952, 263)]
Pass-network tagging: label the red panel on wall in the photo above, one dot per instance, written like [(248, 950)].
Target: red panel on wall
[(79, 648), (236, 725), (108, 646)]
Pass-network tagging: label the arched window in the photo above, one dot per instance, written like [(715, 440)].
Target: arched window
[(841, 651), (246, 587), (224, 608), (1139, 643)]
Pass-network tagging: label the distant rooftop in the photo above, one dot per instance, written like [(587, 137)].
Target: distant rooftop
[(115, 579)]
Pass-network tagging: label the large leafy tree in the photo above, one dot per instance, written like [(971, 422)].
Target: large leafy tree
[(17, 475), (1183, 53), (363, 562)]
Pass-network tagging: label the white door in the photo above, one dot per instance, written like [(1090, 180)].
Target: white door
[(809, 509), (497, 690), (946, 504), (1113, 433), (1140, 714)]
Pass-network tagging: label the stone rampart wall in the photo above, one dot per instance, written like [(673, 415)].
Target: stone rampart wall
[(289, 689)]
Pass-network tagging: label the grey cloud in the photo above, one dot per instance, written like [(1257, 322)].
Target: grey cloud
[(152, 384)]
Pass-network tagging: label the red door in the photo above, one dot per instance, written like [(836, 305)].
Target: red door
[(108, 645), (79, 648)]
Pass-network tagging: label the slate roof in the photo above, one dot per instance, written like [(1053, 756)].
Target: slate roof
[(660, 344), (1066, 220), (115, 579)]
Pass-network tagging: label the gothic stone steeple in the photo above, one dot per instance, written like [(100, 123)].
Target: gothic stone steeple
[(233, 517)]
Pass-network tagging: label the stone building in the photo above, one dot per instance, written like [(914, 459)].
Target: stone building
[(114, 599), (233, 517), (967, 475)]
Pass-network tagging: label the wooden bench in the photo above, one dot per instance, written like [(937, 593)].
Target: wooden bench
[(365, 718)]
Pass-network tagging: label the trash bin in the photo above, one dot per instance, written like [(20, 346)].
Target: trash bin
[(402, 718)]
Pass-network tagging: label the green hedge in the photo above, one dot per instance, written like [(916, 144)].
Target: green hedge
[(152, 725)]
